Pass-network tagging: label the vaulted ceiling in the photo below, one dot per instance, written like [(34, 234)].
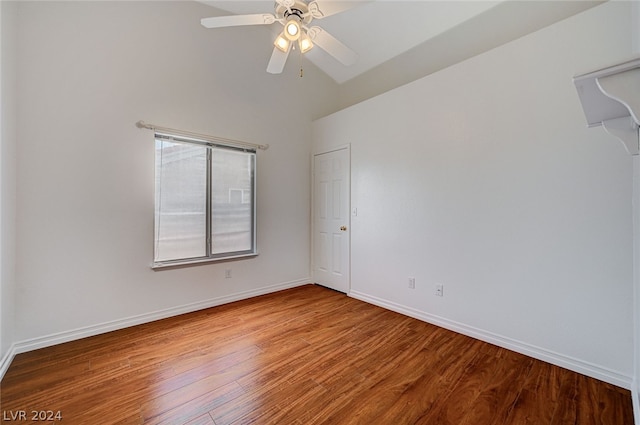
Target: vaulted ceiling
[(399, 41)]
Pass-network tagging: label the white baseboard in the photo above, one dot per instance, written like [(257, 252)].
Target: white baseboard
[(6, 360), (66, 336), (567, 362)]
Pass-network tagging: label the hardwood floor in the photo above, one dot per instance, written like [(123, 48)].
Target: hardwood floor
[(307, 355)]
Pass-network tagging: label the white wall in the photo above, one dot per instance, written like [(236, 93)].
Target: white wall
[(88, 71), (484, 177), (636, 26), (7, 179)]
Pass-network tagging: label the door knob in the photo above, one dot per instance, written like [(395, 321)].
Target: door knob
[(343, 228)]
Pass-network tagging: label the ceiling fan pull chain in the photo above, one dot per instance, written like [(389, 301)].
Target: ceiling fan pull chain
[(301, 70)]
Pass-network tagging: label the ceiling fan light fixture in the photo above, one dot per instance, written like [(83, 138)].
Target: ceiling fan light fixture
[(292, 30), (305, 43), (282, 43)]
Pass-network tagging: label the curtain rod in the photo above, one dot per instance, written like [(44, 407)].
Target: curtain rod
[(208, 138)]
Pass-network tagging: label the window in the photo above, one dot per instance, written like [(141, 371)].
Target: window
[(204, 201)]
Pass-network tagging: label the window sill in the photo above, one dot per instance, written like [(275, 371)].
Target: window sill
[(186, 263)]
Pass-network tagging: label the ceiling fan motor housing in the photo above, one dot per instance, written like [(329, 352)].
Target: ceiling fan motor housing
[(299, 11)]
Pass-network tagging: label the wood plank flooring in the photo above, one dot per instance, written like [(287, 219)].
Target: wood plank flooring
[(307, 355)]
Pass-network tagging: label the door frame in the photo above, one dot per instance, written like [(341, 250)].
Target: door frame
[(346, 147)]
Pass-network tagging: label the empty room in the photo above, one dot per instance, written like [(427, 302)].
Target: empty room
[(320, 212)]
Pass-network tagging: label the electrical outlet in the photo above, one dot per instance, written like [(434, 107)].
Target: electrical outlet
[(227, 274), (439, 289), (412, 283)]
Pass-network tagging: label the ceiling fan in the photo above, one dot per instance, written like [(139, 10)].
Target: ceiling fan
[(295, 16)]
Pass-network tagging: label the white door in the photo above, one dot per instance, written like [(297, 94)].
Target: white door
[(331, 197)]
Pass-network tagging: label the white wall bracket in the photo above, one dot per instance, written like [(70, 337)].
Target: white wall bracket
[(610, 97)]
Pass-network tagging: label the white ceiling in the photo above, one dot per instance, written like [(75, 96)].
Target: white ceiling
[(376, 30), (381, 30)]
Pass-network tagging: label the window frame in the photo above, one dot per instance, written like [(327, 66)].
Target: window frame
[(208, 232)]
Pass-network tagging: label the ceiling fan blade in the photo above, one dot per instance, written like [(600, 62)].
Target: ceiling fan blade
[(322, 8), (286, 3), (238, 20), (277, 61), (333, 46)]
